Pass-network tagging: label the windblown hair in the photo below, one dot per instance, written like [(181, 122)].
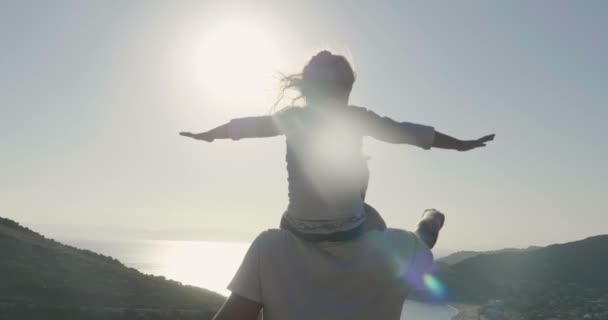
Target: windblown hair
[(326, 75)]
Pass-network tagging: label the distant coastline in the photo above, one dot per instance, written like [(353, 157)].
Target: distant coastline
[(455, 310), (465, 311), (187, 258)]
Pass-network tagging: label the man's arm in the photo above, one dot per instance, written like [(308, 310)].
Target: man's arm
[(251, 127), (238, 308), (443, 141), (429, 226)]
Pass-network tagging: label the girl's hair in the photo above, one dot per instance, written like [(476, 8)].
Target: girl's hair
[(325, 75)]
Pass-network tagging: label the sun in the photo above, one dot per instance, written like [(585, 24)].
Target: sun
[(238, 64)]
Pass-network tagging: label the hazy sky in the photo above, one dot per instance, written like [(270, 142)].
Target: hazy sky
[(93, 94)]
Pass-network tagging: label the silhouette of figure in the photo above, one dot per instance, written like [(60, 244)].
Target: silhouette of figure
[(327, 172), (365, 278), (333, 257)]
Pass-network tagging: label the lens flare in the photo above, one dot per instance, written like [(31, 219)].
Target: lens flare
[(434, 285)]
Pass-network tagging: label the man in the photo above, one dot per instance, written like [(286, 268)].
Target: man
[(365, 278)]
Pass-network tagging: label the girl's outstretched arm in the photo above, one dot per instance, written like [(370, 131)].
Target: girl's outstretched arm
[(426, 137), (220, 132), (443, 141), (251, 127)]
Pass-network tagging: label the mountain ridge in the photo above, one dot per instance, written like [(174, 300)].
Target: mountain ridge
[(45, 273), (552, 281), (533, 283), (462, 255)]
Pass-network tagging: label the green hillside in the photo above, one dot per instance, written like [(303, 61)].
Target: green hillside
[(37, 274), (43, 279), (460, 256), (552, 281)]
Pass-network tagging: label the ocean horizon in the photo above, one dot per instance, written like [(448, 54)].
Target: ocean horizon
[(207, 264)]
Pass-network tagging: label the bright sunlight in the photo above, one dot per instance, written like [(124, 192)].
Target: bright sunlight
[(238, 64)]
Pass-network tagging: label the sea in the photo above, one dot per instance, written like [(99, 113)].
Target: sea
[(209, 265)]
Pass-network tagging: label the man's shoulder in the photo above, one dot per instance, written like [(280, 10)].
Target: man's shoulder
[(272, 233), (399, 238), (400, 233), (273, 236)]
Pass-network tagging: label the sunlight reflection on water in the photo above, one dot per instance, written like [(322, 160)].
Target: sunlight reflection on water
[(209, 265), (205, 264)]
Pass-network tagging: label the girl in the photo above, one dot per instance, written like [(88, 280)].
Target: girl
[(327, 173)]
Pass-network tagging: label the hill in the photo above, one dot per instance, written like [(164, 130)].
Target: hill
[(546, 282), (42, 276), (460, 256)]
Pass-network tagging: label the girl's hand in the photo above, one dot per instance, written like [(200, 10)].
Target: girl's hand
[(472, 144), (205, 136)]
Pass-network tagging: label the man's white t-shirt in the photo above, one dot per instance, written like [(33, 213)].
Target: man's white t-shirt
[(366, 278)]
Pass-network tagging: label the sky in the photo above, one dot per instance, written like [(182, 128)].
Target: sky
[(94, 93)]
